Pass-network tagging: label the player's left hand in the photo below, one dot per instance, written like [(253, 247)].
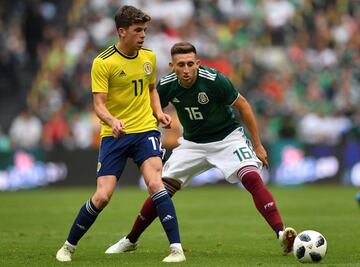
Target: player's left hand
[(165, 119), (262, 155)]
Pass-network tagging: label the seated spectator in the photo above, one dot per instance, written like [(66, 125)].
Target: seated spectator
[(56, 131), (25, 131)]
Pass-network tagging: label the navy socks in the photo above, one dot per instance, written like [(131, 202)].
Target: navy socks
[(166, 212), (85, 218)]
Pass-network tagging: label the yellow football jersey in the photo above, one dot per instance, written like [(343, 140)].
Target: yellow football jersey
[(126, 81)]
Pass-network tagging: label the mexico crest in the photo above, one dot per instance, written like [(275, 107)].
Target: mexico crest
[(148, 68), (203, 98)]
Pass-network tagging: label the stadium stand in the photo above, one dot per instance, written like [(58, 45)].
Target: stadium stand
[(297, 62)]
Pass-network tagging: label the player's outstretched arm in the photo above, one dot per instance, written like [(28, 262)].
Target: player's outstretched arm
[(248, 117)]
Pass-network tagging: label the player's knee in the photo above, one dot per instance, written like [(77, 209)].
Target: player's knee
[(154, 186), (101, 200)]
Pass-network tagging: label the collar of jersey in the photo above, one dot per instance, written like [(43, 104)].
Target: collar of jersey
[(125, 56)]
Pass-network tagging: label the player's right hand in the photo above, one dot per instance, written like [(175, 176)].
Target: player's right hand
[(165, 119), (262, 155), (118, 128)]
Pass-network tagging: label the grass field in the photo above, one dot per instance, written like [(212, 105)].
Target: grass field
[(219, 227)]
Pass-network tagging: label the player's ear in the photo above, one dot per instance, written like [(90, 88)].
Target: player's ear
[(121, 31), (198, 62), (171, 65)]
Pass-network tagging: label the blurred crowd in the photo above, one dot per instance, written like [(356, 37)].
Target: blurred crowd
[(296, 61)]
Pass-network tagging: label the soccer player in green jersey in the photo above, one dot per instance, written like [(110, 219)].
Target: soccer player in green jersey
[(203, 99), (127, 103)]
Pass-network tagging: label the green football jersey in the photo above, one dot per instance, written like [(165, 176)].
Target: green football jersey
[(204, 110)]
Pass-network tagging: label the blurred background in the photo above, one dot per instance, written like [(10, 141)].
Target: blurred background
[(296, 61)]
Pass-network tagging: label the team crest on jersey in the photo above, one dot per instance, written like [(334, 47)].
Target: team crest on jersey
[(203, 98), (148, 68)]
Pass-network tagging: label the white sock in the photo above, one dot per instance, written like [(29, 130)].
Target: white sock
[(176, 245), (70, 245)]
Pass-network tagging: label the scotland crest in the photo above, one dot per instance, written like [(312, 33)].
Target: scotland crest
[(148, 68), (203, 98)]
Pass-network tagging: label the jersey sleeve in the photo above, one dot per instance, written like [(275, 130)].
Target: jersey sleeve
[(99, 76), (227, 89)]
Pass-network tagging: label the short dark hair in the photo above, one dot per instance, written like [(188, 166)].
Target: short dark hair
[(125, 16), (182, 48)]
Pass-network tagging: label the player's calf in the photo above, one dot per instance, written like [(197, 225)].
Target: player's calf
[(146, 216)]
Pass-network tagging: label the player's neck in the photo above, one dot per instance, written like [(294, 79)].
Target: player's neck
[(125, 50), (186, 86)]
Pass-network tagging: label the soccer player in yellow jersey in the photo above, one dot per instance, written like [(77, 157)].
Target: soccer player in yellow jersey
[(127, 103)]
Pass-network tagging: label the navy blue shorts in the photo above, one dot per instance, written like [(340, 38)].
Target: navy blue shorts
[(114, 152)]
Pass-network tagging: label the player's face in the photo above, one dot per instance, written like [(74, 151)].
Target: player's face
[(186, 67), (132, 38)]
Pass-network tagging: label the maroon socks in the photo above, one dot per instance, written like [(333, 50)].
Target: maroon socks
[(262, 197)]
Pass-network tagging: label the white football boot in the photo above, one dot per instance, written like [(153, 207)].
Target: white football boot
[(65, 252), (123, 245), (176, 255), (286, 239)]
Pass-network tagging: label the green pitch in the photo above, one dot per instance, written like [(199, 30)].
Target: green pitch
[(219, 227)]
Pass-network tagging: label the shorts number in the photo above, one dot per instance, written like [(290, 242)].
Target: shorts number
[(194, 113), (153, 141), (243, 153)]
